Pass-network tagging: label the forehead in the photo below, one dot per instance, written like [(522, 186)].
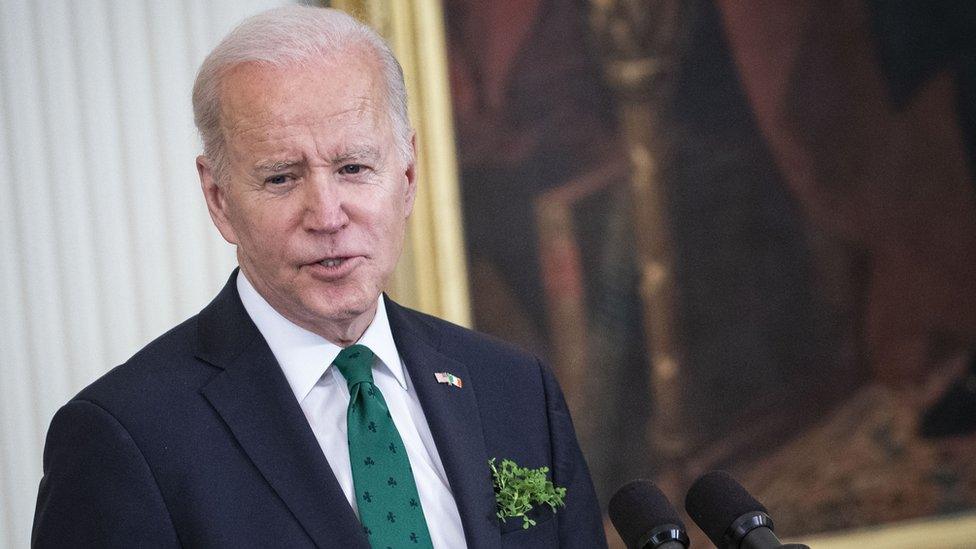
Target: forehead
[(256, 97)]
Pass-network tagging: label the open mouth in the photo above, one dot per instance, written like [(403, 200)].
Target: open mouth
[(334, 268)]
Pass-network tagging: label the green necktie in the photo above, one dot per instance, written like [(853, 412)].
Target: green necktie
[(386, 492)]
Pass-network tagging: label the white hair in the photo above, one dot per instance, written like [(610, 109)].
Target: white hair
[(286, 36)]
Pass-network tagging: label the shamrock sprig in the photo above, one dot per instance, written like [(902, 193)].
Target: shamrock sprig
[(519, 489)]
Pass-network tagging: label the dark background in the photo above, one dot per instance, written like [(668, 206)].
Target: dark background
[(815, 166)]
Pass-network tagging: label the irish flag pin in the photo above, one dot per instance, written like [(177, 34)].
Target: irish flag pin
[(450, 379)]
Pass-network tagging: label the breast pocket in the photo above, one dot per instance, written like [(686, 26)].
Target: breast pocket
[(543, 535)]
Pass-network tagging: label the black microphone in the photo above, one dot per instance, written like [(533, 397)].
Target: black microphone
[(729, 516), (645, 519)]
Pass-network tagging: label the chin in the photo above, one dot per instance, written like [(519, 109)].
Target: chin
[(343, 304)]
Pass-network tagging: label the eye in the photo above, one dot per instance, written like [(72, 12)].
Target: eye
[(352, 169), (276, 180)]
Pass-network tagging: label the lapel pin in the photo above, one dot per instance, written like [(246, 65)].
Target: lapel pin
[(448, 378)]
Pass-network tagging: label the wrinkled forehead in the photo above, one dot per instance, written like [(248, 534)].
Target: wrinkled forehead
[(307, 91)]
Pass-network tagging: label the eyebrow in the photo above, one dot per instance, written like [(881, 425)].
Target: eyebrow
[(359, 154), (362, 153), (276, 165)]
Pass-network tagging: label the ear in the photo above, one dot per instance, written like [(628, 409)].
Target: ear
[(411, 176), (216, 197)]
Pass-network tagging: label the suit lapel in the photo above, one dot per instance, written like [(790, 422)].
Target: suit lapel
[(252, 396), (455, 424)]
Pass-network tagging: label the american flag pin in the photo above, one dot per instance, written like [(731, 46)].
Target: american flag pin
[(448, 378)]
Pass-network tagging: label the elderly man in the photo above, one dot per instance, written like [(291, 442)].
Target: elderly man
[(301, 407)]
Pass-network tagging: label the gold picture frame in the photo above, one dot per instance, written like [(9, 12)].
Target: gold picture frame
[(432, 274)]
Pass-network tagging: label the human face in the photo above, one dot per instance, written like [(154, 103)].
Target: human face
[(316, 195)]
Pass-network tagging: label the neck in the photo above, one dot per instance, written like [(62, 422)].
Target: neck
[(347, 333)]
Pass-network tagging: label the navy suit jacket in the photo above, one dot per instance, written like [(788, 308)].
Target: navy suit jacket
[(198, 441)]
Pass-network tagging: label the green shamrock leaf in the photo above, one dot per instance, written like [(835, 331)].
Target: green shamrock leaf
[(519, 489)]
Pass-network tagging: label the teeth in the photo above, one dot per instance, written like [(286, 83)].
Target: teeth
[(331, 262)]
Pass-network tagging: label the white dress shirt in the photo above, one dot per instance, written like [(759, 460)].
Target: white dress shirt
[(306, 360)]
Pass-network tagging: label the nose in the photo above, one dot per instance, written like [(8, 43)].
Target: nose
[(325, 208)]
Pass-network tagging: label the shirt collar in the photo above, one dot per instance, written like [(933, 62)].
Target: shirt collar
[(304, 356)]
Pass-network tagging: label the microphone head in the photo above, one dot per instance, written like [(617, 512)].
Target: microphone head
[(638, 509), (715, 501)]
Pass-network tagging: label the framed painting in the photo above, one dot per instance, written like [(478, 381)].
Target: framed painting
[(744, 238)]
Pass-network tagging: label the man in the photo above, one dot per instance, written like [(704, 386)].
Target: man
[(301, 407)]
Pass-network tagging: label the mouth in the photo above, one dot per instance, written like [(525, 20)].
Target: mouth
[(334, 268), (333, 262)]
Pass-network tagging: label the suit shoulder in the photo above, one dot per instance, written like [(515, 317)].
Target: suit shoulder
[(163, 362), (481, 351)]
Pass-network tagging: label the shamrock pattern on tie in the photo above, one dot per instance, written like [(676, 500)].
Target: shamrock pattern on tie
[(389, 505)]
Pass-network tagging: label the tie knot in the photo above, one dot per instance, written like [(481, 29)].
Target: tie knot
[(355, 363)]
